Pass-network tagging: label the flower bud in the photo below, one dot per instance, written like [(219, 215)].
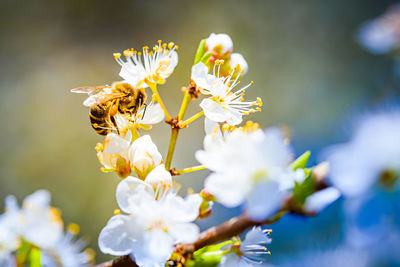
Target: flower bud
[(219, 44), (159, 176), (123, 167), (144, 156), (237, 60)]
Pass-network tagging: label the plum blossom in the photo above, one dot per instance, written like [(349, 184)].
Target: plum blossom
[(251, 251), (238, 60), (219, 44), (141, 155), (155, 221), (371, 157), (223, 105), (149, 66), (382, 35), (249, 165), (9, 235), (66, 252)]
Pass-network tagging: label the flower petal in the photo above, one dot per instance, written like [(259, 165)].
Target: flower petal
[(217, 113), (127, 189), (321, 199), (159, 175), (153, 115), (184, 232), (201, 78), (119, 236)]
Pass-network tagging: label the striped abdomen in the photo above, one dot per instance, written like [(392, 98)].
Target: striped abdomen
[(99, 118)]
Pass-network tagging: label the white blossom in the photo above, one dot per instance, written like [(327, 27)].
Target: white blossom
[(356, 166), (9, 235), (156, 220), (252, 251), (321, 199), (149, 66), (249, 165), (40, 223), (238, 60), (219, 44), (144, 155), (381, 35), (223, 105), (66, 252)]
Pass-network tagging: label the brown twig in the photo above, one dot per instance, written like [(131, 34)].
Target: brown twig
[(215, 234)]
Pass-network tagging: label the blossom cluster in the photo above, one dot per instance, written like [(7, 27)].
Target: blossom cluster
[(250, 168), (33, 234)]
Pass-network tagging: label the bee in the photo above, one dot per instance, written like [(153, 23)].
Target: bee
[(107, 101)]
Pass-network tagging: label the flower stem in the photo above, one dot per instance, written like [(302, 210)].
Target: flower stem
[(192, 119), (155, 91), (175, 131), (191, 169), (185, 103), (171, 148)]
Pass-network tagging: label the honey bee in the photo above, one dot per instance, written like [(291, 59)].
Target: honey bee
[(107, 101)]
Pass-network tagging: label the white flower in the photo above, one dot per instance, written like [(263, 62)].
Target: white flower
[(67, 252), (154, 67), (219, 44), (144, 155), (224, 105), (9, 235), (381, 35), (158, 176), (356, 166), (40, 223), (238, 60), (156, 220), (249, 165), (252, 250), (321, 199)]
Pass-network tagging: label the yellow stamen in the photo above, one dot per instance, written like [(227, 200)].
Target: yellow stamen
[(117, 55), (117, 211), (73, 228), (259, 102), (170, 45)]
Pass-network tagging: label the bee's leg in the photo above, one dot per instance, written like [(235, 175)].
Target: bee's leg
[(114, 123), (144, 111)]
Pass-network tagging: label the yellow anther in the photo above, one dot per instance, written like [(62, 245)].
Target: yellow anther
[(99, 147), (139, 54), (251, 82), (126, 52), (145, 48), (259, 102), (117, 211), (73, 228), (91, 253), (164, 45), (252, 111), (242, 99), (170, 45), (190, 191), (225, 127), (117, 55), (258, 109), (55, 215), (176, 47), (150, 53), (159, 41)]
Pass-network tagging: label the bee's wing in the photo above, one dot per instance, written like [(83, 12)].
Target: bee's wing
[(101, 98), (90, 90)]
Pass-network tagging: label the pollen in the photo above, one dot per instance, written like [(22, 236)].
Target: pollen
[(73, 228), (176, 47), (242, 99), (170, 45), (259, 102), (117, 55), (258, 109), (99, 147), (117, 211)]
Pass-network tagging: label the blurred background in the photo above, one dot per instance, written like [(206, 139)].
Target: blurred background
[(308, 68)]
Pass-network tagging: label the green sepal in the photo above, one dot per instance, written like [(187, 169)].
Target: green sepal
[(301, 161), (34, 257), (303, 190), (106, 170), (209, 256), (201, 49), (22, 253), (206, 58)]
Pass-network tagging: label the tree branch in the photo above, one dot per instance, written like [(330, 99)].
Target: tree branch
[(215, 234)]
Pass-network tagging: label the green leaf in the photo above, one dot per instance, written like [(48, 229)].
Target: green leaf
[(301, 161), (209, 256), (201, 49), (34, 258)]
